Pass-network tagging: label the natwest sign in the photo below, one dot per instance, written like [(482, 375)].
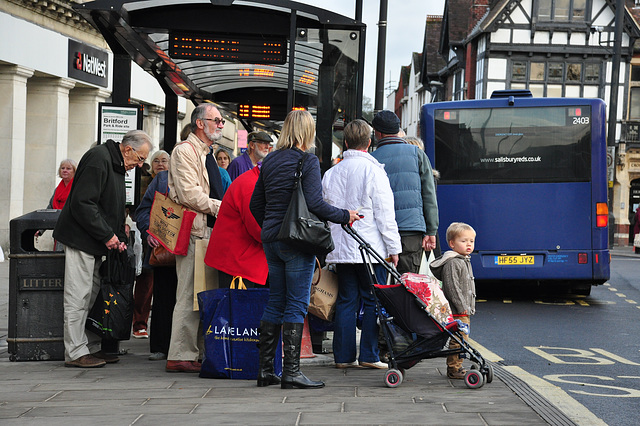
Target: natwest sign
[(88, 64)]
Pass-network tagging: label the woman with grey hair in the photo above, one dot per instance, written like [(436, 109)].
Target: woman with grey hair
[(66, 171)]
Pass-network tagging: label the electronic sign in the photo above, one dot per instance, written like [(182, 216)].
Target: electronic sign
[(254, 49)]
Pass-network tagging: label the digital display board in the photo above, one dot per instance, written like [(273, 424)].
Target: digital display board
[(258, 49), (252, 111)]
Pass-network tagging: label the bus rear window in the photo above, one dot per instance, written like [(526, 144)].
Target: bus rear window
[(513, 145)]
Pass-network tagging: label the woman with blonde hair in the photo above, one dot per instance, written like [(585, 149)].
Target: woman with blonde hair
[(290, 271), (66, 171)]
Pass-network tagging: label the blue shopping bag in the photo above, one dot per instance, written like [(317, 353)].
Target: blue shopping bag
[(230, 320)]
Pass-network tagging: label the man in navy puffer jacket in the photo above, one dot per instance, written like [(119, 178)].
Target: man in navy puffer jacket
[(413, 188)]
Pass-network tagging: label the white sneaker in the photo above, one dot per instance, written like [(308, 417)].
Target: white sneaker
[(378, 364)]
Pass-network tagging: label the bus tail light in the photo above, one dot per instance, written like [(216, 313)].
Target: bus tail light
[(602, 215), (597, 258), (582, 258)]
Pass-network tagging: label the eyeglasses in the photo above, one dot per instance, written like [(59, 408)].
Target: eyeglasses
[(140, 159), (216, 120)]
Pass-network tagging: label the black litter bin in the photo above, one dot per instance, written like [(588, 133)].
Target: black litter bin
[(36, 290)]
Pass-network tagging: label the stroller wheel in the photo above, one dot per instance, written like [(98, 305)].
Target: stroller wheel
[(393, 378), (488, 376), (473, 379)]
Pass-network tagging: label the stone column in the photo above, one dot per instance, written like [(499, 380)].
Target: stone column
[(47, 136), (151, 125), (83, 119), (13, 112)]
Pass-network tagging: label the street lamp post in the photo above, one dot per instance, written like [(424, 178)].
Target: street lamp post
[(613, 105), (382, 46)]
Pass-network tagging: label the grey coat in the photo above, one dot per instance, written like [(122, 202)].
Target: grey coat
[(454, 270)]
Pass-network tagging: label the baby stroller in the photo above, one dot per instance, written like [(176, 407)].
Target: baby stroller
[(412, 329)]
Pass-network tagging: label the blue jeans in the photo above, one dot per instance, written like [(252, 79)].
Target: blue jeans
[(290, 275), (353, 286)]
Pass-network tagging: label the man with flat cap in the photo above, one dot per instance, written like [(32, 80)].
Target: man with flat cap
[(413, 188), (258, 144)]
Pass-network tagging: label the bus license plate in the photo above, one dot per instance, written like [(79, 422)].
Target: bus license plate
[(514, 260)]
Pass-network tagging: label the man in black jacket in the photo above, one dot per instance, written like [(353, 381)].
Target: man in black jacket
[(91, 223)]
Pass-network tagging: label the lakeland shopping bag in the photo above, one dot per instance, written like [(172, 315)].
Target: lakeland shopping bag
[(230, 320), (170, 223), (112, 312)]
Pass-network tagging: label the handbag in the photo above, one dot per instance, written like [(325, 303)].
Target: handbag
[(170, 223), (302, 229), (160, 256), (324, 294), (112, 312), (230, 321)]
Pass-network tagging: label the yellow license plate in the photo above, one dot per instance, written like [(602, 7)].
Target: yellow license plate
[(514, 260)]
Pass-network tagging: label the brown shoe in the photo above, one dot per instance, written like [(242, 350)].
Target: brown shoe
[(183, 367), (109, 359), (456, 374), (86, 361)]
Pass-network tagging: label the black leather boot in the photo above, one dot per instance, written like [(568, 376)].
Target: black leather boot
[(292, 377), (269, 340)]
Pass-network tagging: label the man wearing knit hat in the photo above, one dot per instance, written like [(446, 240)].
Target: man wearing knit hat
[(414, 193), (258, 144)]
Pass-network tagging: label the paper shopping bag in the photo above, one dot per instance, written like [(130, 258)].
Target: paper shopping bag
[(230, 321), (170, 223), (204, 276), (324, 294)]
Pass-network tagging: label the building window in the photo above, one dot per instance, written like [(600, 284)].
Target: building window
[(634, 93), (519, 71), (592, 73), (574, 72), (562, 10), (458, 86), (557, 79), (555, 71), (537, 71)]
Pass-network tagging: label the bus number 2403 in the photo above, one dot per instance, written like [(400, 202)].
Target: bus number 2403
[(580, 120)]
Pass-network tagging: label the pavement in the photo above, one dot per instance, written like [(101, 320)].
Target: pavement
[(138, 391)]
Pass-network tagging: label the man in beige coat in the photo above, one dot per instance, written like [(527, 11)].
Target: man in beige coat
[(189, 186)]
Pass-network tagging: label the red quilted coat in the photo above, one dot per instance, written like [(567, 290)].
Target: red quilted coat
[(235, 246)]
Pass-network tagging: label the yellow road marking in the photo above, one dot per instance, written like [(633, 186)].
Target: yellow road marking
[(582, 303), (613, 289), (620, 295), (633, 302), (486, 353), (506, 301)]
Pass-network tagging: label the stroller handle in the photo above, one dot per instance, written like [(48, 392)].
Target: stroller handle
[(365, 247)]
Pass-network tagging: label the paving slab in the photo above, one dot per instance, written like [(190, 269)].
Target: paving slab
[(138, 391)]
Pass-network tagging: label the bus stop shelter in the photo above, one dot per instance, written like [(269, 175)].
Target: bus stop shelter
[(256, 59)]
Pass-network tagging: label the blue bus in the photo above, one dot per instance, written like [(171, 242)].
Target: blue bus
[(529, 174)]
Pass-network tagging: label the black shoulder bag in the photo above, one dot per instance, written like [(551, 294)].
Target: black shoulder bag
[(302, 229)]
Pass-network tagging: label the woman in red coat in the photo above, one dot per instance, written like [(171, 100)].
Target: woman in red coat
[(66, 171), (235, 247)]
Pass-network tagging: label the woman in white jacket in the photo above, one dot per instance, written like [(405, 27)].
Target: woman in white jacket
[(360, 183)]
